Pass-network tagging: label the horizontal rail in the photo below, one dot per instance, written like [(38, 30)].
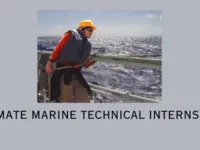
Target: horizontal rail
[(130, 59), (131, 55), (133, 61), (125, 96)]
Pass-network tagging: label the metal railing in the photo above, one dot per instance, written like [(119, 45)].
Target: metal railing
[(136, 61)]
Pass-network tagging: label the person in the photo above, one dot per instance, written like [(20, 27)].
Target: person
[(73, 51)]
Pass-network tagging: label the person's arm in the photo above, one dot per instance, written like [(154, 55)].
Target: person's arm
[(89, 62), (58, 48), (56, 51)]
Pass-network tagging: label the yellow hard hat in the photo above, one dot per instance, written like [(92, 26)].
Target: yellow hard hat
[(87, 23)]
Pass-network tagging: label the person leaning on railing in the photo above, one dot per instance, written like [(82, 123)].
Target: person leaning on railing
[(73, 50)]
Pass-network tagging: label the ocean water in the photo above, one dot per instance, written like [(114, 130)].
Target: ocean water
[(142, 82)]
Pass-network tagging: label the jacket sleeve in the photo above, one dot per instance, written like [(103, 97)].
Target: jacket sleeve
[(59, 47)]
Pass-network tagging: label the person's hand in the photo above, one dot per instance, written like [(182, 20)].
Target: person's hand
[(77, 66), (49, 67), (89, 63)]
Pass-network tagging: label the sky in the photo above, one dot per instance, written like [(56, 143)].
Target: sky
[(108, 23)]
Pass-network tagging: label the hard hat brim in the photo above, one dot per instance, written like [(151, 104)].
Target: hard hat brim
[(93, 27)]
